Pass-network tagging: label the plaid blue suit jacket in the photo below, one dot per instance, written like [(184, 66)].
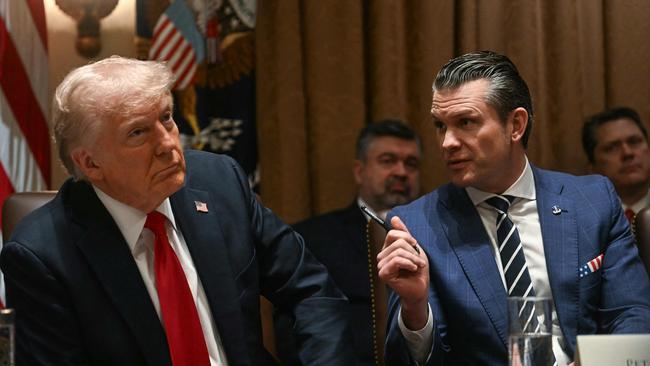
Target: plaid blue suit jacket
[(467, 296)]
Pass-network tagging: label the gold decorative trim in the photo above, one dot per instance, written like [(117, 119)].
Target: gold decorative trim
[(373, 307)]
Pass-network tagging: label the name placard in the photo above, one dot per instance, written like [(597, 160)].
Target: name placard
[(613, 350)]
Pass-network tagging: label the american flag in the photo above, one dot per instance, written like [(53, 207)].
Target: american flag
[(24, 131), (591, 266), (201, 206), (177, 40)]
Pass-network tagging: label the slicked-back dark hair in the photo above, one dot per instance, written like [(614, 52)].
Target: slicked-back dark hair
[(384, 128), (507, 90), (608, 115)]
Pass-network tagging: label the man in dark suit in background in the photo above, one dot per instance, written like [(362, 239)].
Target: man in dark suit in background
[(503, 228), (616, 143), (386, 170), (153, 256)]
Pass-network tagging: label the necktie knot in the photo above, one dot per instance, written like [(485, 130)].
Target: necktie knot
[(155, 222), (630, 215), (501, 203)]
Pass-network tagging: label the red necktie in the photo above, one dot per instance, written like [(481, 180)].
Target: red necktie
[(181, 320), (630, 215)]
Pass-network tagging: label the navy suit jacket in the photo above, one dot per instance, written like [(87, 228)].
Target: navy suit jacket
[(338, 240), (467, 296), (80, 299)]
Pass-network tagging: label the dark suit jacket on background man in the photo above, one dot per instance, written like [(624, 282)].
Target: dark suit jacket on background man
[(386, 170), (346, 257)]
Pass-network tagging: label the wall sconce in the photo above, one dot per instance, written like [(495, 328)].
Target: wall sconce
[(87, 13)]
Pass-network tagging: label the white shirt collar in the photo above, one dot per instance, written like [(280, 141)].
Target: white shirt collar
[(638, 205), (130, 220), (523, 187)]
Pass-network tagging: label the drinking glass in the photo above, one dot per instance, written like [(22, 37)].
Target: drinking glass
[(530, 340)]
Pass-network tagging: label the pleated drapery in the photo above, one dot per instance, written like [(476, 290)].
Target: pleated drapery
[(325, 68)]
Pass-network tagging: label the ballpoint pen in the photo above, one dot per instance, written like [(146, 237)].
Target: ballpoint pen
[(386, 225)]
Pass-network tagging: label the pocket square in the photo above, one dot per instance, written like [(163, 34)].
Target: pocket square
[(591, 266)]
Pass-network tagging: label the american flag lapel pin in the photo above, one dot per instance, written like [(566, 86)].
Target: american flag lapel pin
[(591, 266), (201, 206)]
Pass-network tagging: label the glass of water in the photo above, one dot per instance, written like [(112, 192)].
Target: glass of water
[(529, 331), (6, 337)]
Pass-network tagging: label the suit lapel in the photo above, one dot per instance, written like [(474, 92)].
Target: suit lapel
[(205, 240), (109, 256), (469, 241), (560, 237)]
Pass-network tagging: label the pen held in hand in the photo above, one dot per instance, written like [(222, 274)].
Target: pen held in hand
[(386, 225)]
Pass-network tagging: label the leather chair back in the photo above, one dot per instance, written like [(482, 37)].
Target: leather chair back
[(641, 228), (18, 205)]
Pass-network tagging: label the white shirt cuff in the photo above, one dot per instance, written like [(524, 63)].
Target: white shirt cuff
[(419, 342)]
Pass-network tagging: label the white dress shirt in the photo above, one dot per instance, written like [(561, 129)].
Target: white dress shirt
[(140, 240), (523, 213), (638, 205)]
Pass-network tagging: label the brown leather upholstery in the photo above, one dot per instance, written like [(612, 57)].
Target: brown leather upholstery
[(378, 293), (18, 205), (642, 232), (268, 334)]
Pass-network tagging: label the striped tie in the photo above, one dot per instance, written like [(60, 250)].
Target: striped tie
[(515, 271)]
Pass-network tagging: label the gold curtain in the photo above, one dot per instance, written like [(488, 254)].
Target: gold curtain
[(325, 68)]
